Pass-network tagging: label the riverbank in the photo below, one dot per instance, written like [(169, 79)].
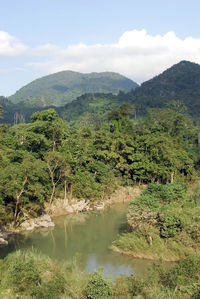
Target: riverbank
[(61, 207), (138, 246), (38, 276), (164, 224), (87, 234)]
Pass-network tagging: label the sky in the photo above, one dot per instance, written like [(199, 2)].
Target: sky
[(138, 39)]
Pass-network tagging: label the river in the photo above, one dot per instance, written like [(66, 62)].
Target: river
[(88, 235)]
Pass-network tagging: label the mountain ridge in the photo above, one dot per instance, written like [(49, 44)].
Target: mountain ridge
[(63, 87), (180, 82)]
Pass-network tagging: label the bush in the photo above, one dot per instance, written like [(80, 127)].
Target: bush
[(146, 201), (195, 195), (173, 192), (155, 195), (52, 288), (98, 287), (183, 273), (31, 274), (169, 225), (23, 275)]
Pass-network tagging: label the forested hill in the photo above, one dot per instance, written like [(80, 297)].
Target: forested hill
[(19, 112), (89, 108), (64, 87), (180, 82)]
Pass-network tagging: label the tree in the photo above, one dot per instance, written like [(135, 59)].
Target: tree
[(57, 168), (48, 123), (1, 111), (45, 115), (120, 118), (23, 183)]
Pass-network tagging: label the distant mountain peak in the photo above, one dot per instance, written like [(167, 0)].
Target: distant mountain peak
[(179, 82), (65, 86)]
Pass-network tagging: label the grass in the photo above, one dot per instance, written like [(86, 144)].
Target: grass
[(29, 274)]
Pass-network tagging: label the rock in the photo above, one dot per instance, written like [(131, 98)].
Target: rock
[(4, 234), (42, 221), (3, 242), (69, 209), (99, 206), (80, 206)]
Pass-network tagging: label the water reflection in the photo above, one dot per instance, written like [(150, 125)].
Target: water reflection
[(90, 235)]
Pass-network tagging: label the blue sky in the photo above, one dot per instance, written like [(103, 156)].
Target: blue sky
[(138, 39)]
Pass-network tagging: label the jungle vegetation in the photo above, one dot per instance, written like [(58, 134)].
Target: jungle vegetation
[(44, 159), (47, 157)]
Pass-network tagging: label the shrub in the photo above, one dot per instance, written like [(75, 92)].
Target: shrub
[(24, 276), (156, 194), (172, 192), (52, 288), (98, 287), (183, 273), (31, 274), (146, 201), (169, 225)]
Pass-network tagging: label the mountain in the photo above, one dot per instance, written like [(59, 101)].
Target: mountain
[(89, 108), (180, 82), (64, 87), (20, 112)]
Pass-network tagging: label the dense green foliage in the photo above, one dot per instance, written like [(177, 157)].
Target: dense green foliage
[(46, 159), (63, 87), (105, 145), (98, 287), (29, 274), (164, 223), (20, 112), (180, 82), (89, 108), (89, 98)]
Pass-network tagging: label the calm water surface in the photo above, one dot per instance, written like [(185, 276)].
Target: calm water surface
[(86, 234)]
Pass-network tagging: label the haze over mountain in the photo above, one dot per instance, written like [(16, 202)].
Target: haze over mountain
[(64, 87)]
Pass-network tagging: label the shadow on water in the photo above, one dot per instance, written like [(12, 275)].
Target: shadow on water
[(87, 234)]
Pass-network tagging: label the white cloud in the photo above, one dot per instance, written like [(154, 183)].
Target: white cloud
[(137, 54), (10, 46)]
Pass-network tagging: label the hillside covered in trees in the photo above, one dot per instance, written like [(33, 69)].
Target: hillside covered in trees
[(178, 83), (64, 87), (181, 82)]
